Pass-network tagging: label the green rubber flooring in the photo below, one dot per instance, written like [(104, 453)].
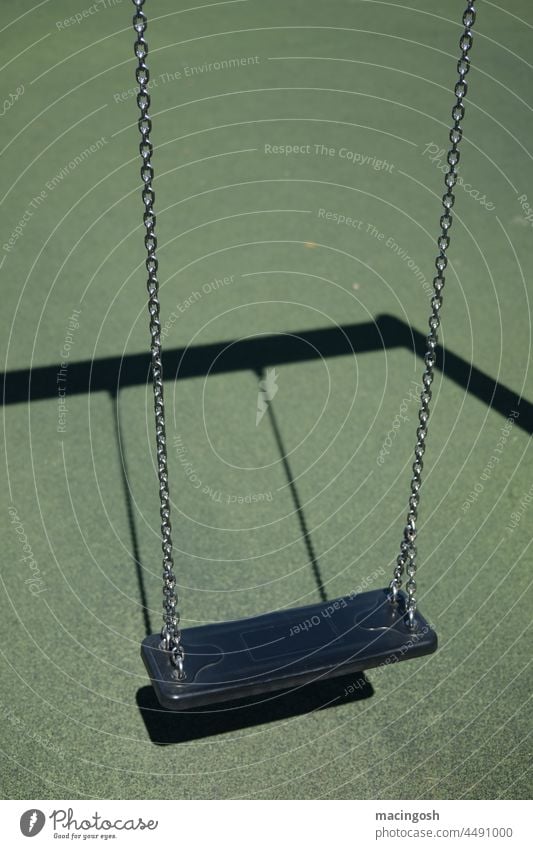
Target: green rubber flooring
[(299, 160)]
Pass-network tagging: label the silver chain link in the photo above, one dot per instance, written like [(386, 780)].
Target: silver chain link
[(407, 558), (170, 634), (406, 561)]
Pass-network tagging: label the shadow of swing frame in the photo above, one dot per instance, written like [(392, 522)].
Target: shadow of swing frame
[(114, 373)]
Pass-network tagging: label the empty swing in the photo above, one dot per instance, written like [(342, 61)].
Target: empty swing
[(216, 663)]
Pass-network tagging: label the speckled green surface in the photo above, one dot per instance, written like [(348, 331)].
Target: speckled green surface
[(370, 79)]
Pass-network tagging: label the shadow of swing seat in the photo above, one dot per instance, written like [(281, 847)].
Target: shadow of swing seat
[(286, 648), (239, 714)]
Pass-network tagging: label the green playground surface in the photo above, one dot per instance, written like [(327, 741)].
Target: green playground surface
[(299, 155)]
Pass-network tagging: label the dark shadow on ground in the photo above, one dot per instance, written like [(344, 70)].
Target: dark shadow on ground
[(130, 513), (167, 727), (306, 536), (386, 333), (255, 354)]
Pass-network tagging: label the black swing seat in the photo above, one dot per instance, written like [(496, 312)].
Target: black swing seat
[(227, 661)]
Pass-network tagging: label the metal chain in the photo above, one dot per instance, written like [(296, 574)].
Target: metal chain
[(170, 634), (407, 557), (406, 561)]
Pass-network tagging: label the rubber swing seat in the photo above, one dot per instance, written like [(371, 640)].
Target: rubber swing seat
[(275, 651)]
